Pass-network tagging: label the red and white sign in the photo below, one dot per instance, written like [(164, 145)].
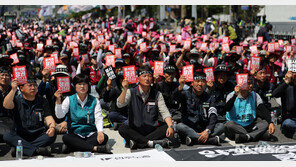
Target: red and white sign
[(107, 43), (39, 46), (85, 58), (130, 39), (76, 51), (281, 42), (64, 84), (254, 49), (276, 46), (239, 49), (144, 34), (68, 38), (163, 48), (288, 48), (56, 57), (205, 38), (179, 38), (270, 47), (242, 81), (260, 40), (20, 73), (129, 73), (143, 47), (73, 44), (14, 57), (172, 48), (187, 45), (216, 45), (293, 41), (161, 38), (87, 36), (49, 42), (203, 46), (188, 73), (255, 62), (210, 74), (110, 60), (111, 48), (49, 64), (225, 47), (225, 40), (118, 53), (19, 44), (198, 45), (95, 43), (158, 68)]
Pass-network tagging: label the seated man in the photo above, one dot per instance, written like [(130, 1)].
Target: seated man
[(6, 122), (286, 91), (199, 115), (145, 105), (248, 118), (29, 113)]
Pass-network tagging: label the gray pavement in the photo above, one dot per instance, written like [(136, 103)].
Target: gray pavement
[(117, 145)]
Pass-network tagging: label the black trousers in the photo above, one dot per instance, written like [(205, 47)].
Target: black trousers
[(6, 125), (255, 130), (129, 133), (77, 143), (29, 142)]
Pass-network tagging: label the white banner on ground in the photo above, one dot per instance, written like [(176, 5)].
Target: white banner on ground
[(149, 156)]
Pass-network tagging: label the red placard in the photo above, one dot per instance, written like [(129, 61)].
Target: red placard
[(110, 60), (270, 47), (64, 84), (239, 49), (210, 74), (187, 45), (225, 40), (163, 48), (68, 38), (101, 39), (203, 46), (56, 57), (188, 73), (87, 36), (118, 53), (179, 38), (73, 44), (276, 46), (14, 57), (255, 62), (111, 48), (216, 45), (20, 73), (129, 73), (158, 67), (49, 42), (205, 38), (76, 51), (225, 47), (172, 48), (281, 42), (39, 46), (293, 41), (130, 39), (254, 49), (198, 45), (260, 40), (288, 48), (242, 81), (107, 43), (144, 34), (95, 43), (19, 44), (49, 64), (143, 47), (161, 38), (85, 58)]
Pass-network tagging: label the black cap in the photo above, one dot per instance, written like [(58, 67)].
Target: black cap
[(5, 69), (221, 68)]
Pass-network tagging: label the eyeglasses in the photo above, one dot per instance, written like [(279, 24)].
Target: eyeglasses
[(5, 75)]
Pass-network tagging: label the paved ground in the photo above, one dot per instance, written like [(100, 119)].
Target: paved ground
[(116, 142)]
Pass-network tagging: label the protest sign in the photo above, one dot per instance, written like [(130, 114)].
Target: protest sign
[(129, 73), (64, 84), (158, 68), (188, 73), (20, 73)]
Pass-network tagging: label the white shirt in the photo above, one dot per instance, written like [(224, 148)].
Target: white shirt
[(62, 109)]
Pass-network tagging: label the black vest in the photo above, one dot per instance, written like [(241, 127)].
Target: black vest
[(143, 115)]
